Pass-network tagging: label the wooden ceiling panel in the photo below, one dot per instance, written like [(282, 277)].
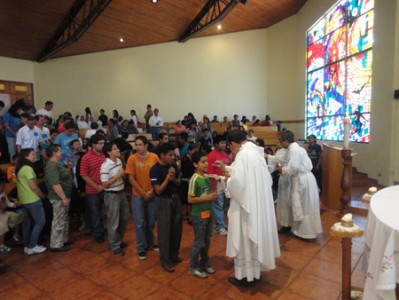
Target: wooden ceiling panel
[(26, 26)]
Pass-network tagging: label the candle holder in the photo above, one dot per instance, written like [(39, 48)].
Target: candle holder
[(346, 234)]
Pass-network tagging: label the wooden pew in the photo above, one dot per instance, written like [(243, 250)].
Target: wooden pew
[(268, 133), (221, 127), (132, 137)]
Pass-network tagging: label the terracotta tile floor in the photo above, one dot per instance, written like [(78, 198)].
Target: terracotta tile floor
[(305, 270)]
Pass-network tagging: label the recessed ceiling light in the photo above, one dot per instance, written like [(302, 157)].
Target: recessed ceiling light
[(121, 40), (219, 27), (154, 1)]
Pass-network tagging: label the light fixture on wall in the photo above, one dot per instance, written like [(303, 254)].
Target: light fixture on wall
[(121, 40), (219, 27), (154, 1)]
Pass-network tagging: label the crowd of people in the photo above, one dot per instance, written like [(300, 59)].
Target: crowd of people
[(217, 183)]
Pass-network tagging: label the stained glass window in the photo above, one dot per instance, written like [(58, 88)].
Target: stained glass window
[(339, 60)]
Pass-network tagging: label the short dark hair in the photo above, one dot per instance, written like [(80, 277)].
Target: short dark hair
[(260, 142), (73, 141), (31, 118), (48, 103), (287, 136), (124, 135), (69, 124), (95, 138), (162, 135), (93, 125), (236, 136), (100, 132), (52, 130), (183, 136), (142, 138), (52, 149), (197, 156), (219, 138), (108, 148), (165, 148), (192, 146), (2, 104), (312, 136)]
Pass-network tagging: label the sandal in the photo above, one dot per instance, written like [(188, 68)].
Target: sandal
[(5, 249)]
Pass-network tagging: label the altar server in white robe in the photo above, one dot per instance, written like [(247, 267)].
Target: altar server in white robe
[(252, 236), (284, 210), (304, 194)]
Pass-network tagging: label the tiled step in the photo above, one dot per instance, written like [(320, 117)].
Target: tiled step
[(360, 185)]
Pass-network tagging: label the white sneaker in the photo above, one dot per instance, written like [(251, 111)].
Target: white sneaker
[(222, 231), (198, 273), (35, 250), (42, 248), (26, 250)]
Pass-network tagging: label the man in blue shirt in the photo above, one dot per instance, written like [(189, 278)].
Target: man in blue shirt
[(64, 140), (11, 126)]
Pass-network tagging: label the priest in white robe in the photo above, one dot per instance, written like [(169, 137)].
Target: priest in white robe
[(304, 194), (252, 236), (284, 210)]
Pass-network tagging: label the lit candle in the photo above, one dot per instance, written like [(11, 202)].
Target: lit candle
[(347, 218), (372, 190), (347, 123)]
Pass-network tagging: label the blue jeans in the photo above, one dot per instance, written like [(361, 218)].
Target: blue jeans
[(202, 241), (144, 212), (94, 205), (218, 210), (11, 146), (155, 131), (33, 213)]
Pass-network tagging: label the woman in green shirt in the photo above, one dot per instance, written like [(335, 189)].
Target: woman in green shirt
[(30, 197), (59, 183)]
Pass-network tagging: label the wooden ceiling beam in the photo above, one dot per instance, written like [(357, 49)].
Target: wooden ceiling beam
[(79, 18), (213, 12)]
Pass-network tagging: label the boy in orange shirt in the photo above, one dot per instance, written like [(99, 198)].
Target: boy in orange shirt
[(11, 170), (143, 202)]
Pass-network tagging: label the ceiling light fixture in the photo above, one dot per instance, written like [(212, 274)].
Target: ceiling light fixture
[(219, 27), (154, 1), (121, 40)]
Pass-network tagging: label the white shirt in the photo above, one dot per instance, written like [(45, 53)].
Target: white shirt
[(155, 121), (44, 133), (134, 119), (90, 132), (28, 138), (109, 169)]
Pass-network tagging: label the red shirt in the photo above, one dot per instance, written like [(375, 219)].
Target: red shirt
[(91, 166), (214, 156)]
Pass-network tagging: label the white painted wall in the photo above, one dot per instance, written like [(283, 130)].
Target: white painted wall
[(16, 70), (395, 110), (220, 75)]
